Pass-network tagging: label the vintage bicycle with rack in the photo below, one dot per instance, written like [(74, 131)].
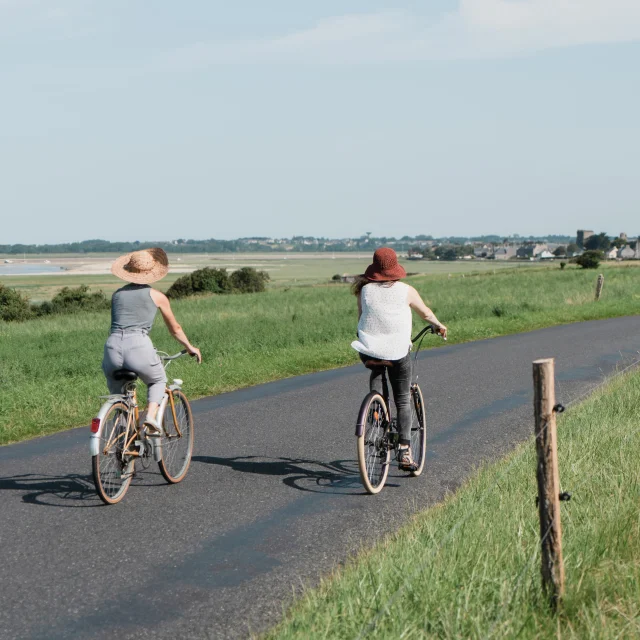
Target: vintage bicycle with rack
[(376, 430), (118, 441)]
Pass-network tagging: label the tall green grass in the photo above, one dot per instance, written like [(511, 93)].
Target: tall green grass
[(470, 568), (50, 375)]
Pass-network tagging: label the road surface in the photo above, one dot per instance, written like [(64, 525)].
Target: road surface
[(272, 500)]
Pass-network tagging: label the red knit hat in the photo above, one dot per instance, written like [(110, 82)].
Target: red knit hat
[(385, 266)]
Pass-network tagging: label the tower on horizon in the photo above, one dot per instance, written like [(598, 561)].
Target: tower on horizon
[(582, 236)]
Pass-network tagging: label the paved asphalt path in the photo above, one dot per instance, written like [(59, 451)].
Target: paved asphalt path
[(272, 500)]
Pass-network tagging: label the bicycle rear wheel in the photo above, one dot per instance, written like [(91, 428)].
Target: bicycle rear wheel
[(110, 467), (177, 439), (373, 445), (418, 429)]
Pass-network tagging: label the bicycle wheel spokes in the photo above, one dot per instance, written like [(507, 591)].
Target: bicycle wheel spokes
[(418, 429), (177, 440), (373, 449), (110, 466)]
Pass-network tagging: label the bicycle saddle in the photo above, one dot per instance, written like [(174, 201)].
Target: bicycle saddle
[(125, 374), (376, 364)]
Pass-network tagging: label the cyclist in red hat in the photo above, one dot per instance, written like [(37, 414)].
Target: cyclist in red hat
[(384, 333)]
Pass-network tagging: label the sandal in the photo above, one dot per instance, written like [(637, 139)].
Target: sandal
[(153, 429), (405, 460)]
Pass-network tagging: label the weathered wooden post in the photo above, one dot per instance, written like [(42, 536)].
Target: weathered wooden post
[(544, 404), (599, 285)]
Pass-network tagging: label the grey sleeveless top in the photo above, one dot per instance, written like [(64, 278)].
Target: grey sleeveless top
[(132, 308)]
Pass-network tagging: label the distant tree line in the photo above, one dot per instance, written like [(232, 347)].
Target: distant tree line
[(298, 243)]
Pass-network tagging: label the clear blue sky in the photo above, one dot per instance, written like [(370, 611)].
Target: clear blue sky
[(146, 120)]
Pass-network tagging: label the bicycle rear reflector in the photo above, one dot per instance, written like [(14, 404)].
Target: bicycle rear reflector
[(95, 425)]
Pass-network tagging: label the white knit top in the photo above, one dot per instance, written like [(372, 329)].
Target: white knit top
[(384, 330)]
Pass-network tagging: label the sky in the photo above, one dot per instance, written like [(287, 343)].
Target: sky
[(132, 120)]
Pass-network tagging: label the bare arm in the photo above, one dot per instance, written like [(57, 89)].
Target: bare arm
[(418, 305), (162, 302)]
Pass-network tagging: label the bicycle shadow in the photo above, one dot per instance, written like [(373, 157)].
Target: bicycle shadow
[(73, 490), (337, 477)]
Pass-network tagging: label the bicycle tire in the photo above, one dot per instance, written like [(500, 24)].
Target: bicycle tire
[(418, 430), (108, 466), (373, 451), (177, 446)]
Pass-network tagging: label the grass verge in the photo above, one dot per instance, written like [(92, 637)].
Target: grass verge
[(50, 375), (470, 568)]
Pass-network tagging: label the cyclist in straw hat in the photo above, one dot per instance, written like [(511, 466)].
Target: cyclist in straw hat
[(133, 309), (384, 333)]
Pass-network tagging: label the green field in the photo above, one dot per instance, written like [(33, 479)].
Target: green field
[(284, 270), (470, 568), (50, 375)]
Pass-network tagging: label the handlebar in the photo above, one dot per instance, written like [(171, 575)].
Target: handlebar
[(167, 358), (428, 329)]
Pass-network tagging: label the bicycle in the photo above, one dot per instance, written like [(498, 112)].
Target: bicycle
[(118, 440), (376, 429)]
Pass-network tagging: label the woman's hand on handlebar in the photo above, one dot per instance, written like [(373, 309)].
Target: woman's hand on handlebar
[(195, 352), (441, 330)]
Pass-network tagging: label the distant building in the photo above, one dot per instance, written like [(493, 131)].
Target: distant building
[(485, 251), (582, 236), (530, 250), (546, 255), (612, 254), (505, 253), (626, 253)]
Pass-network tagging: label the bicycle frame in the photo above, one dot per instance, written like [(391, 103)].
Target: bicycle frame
[(362, 418), (131, 402)]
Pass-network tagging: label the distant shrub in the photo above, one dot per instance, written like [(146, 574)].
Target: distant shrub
[(563, 265), (14, 306), (208, 280), (337, 277), (248, 280), (589, 259), (181, 288), (73, 300), (70, 300)]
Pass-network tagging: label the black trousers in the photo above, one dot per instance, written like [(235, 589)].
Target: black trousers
[(400, 379)]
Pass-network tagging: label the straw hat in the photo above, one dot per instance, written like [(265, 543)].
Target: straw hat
[(142, 267), (385, 266)]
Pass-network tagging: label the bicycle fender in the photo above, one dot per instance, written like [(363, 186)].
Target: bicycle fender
[(94, 442)]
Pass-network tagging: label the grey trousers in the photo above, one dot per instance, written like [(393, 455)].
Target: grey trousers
[(134, 351)]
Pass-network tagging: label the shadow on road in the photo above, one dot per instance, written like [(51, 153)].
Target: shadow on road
[(73, 490), (339, 476)]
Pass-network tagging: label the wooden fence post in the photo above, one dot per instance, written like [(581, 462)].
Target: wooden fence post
[(544, 402), (599, 285)]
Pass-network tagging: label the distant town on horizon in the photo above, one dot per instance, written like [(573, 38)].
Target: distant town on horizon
[(419, 246)]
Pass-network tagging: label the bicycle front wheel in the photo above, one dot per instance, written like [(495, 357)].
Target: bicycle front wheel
[(177, 439), (112, 472), (418, 430), (373, 442)]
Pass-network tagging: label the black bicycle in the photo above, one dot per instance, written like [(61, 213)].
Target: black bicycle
[(377, 433)]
